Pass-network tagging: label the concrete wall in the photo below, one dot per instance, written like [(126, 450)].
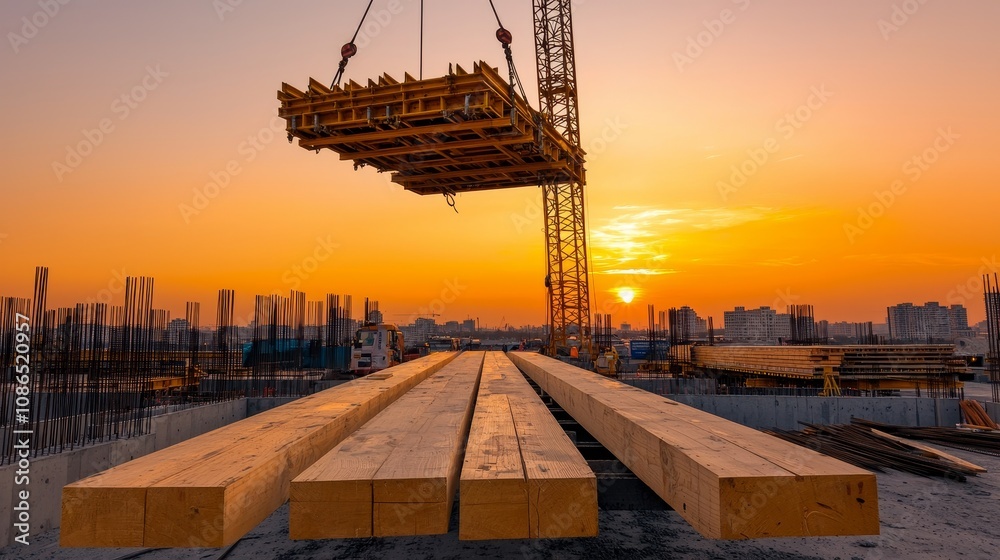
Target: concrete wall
[(674, 385), (993, 409), (260, 404), (48, 474), (785, 412)]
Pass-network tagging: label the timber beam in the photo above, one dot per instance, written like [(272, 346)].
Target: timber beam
[(727, 480)]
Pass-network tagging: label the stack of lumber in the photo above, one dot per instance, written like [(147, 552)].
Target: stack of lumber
[(212, 489), (976, 416), (899, 366), (875, 450), (460, 132), (727, 480), (397, 475), (522, 477)]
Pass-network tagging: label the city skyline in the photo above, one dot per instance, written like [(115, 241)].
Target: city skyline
[(766, 153)]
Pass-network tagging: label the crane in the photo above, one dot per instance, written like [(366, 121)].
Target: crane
[(563, 205), (541, 147)]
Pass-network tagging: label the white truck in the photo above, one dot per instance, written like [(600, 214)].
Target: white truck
[(376, 347)]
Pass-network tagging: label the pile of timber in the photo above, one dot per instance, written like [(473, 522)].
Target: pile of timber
[(872, 449), (522, 477), (977, 441), (727, 480), (899, 365), (396, 475), (212, 489), (385, 454), (460, 132), (976, 416)]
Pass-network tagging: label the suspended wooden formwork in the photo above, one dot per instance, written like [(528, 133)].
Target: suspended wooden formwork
[(461, 132)]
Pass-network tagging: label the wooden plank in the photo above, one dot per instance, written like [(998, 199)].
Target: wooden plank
[(561, 490), (397, 475), (728, 481), (333, 499), (204, 491), (493, 494), (928, 451)]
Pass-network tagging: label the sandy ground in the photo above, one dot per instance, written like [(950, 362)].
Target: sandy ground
[(921, 518)]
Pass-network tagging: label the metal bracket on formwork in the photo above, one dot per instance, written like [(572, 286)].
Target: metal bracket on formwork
[(291, 128), (539, 132), (391, 120), (317, 127)]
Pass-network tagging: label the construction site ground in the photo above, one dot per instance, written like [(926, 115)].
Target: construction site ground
[(921, 518)]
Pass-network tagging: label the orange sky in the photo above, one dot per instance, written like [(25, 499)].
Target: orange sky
[(674, 97)]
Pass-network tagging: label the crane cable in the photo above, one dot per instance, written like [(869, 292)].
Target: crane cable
[(350, 49), (505, 38)]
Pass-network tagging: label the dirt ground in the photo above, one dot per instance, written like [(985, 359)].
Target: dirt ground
[(921, 518)]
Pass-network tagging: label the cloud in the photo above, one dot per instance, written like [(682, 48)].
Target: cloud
[(637, 271), (633, 242), (914, 259)]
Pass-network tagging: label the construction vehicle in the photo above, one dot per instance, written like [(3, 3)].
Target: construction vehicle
[(441, 344), (608, 362), (376, 347)]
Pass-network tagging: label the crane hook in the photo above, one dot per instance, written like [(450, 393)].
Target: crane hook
[(504, 36), (450, 199)]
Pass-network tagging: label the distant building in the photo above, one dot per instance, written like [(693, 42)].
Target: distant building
[(375, 316), (928, 322), (469, 325), (423, 329), (841, 329), (451, 327), (764, 325), (689, 325), (178, 333)]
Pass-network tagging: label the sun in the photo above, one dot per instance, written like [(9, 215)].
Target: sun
[(626, 294)]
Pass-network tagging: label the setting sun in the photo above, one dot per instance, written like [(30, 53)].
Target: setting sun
[(627, 294)]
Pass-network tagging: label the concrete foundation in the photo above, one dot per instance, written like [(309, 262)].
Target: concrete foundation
[(786, 412)]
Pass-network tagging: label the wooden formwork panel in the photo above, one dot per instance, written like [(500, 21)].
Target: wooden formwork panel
[(456, 133)]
